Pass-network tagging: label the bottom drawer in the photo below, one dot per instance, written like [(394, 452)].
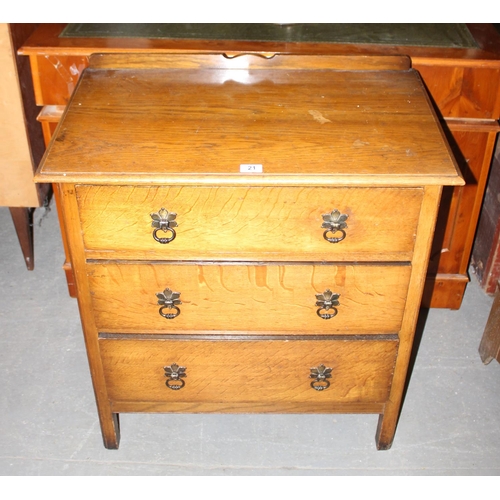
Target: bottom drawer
[(248, 371)]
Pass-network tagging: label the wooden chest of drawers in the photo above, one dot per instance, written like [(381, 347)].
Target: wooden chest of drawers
[(249, 234)]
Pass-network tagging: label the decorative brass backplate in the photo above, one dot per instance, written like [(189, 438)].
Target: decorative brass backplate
[(327, 301), (163, 220), (334, 223), (174, 374), (169, 300), (320, 374)]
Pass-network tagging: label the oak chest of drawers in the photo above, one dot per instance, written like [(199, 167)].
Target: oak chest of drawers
[(249, 234)]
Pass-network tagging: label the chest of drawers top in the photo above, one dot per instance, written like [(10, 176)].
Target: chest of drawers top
[(209, 119)]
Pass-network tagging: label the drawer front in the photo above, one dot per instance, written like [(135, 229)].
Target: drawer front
[(248, 371), (250, 223), (248, 297)]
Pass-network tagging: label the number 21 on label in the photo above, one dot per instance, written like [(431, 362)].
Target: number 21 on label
[(250, 168)]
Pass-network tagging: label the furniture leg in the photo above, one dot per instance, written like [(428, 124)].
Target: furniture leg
[(489, 348), (385, 433), (23, 222), (110, 428)]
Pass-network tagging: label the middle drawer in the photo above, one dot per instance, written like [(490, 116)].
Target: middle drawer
[(292, 298)]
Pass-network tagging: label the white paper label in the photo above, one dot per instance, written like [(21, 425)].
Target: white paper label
[(250, 168)]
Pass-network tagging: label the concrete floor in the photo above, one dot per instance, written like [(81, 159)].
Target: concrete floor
[(449, 423)]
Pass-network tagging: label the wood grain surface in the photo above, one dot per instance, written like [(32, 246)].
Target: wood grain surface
[(248, 298), (344, 126), (248, 371), (231, 223)]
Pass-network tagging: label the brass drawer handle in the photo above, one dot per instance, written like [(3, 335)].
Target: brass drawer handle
[(334, 223), (169, 301), (320, 374), (175, 374), (163, 220), (327, 301)]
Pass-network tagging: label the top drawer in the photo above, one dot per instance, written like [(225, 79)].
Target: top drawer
[(249, 223)]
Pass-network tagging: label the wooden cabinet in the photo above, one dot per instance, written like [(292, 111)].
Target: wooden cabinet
[(249, 234), (489, 348), (463, 80), (486, 251), (21, 140)]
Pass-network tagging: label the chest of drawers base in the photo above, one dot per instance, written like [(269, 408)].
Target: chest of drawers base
[(250, 372), (290, 288)]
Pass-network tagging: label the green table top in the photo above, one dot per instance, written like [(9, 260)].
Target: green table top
[(449, 35)]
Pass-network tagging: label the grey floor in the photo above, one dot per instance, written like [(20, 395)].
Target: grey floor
[(449, 423)]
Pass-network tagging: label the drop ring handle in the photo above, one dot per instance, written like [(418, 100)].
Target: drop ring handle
[(327, 303), (163, 220), (334, 223), (175, 384), (175, 374), (322, 385), (166, 239), (170, 315), (169, 300), (325, 315), (320, 374), (333, 238)]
